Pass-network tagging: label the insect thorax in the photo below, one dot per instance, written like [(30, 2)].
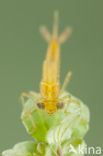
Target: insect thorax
[(49, 90)]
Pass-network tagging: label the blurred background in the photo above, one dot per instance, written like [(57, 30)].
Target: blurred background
[(22, 51)]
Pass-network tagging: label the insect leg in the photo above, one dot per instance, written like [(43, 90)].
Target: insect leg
[(66, 81), (70, 100), (28, 96), (77, 102), (67, 99), (34, 94), (23, 104)]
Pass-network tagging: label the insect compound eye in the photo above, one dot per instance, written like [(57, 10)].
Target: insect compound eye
[(40, 105), (60, 105)]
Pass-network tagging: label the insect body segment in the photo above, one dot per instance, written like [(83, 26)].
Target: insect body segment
[(50, 86)]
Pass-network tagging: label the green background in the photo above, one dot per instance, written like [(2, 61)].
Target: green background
[(22, 51)]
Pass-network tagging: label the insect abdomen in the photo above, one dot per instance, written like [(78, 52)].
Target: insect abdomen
[(53, 51)]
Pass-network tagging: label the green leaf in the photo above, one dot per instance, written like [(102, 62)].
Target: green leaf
[(60, 124), (75, 124), (64, 130), (42, 121), (27, 148), (70, 147), (83, 125)]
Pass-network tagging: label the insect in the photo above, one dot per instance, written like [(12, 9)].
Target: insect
[(49, 97)]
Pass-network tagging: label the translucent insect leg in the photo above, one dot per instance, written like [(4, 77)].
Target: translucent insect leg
[(27, 113), (70, 100), (66, 97), (66, 81), (76, 102), (78, 110), (34, 94), (28, 96)]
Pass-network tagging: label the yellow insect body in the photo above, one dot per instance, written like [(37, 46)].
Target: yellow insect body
[(50, 86)]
